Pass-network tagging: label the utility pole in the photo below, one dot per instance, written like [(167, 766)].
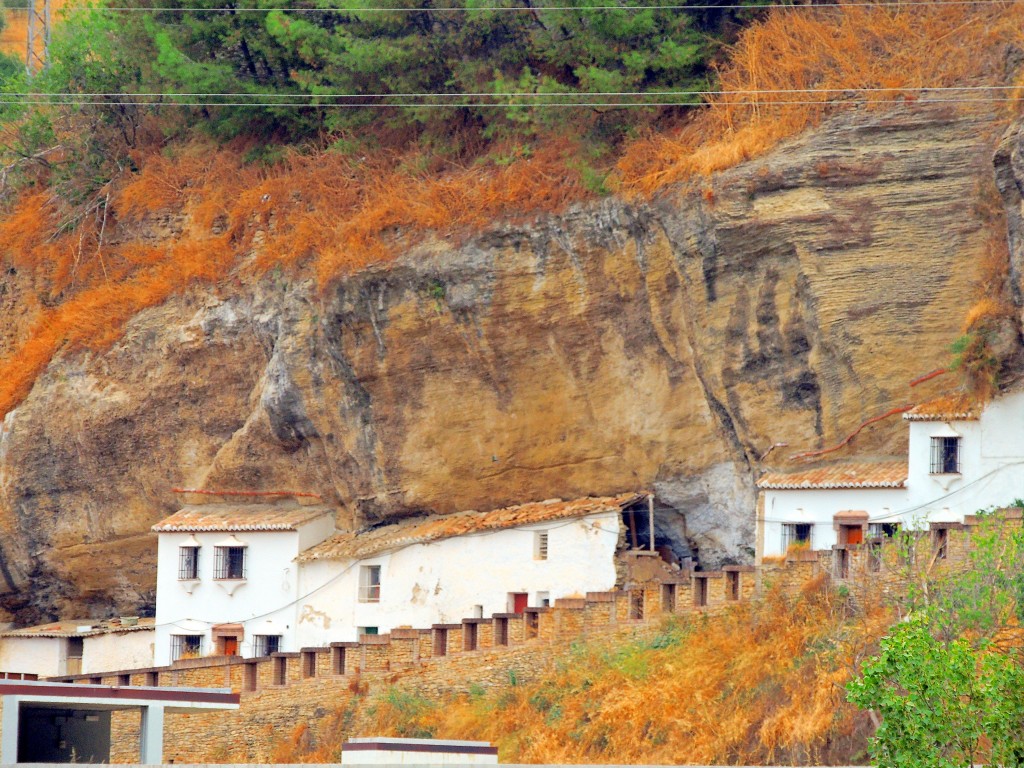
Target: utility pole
[(38, 36)]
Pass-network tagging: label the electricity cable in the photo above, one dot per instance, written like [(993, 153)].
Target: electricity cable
[(491, 105), (917, 507), (485, 94), (534, 9)]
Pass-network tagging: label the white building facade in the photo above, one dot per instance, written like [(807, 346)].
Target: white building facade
[(76, 647), (442, 569), (227, 581), (252, 579), (961, 459)]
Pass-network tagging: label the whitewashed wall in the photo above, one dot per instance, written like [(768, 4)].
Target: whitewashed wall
[(117, 650), (818, 508), (441, 582), (43, 656), (991, 463), (265, 603), (991, 475)]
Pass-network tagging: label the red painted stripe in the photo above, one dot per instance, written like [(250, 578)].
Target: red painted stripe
[(78, 691), (849, 437), (928, 376), (452, 749), (246, 493)]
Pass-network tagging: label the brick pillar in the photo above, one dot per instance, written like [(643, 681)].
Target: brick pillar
[(344, 658), (375, 652), (600, 610), (568, 616), (405, 648)]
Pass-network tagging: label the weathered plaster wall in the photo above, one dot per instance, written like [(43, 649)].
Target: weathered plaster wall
[(120, 650), (441, 582)]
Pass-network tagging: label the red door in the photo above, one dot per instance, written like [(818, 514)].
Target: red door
[(230, 646), (519, 601)]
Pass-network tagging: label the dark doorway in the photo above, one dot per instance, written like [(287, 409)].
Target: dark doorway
[(63, 736)]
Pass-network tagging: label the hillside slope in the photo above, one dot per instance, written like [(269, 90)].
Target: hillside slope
[(663, 345)]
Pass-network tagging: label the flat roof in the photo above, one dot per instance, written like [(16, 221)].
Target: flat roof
[(80, 628), (112, 696)]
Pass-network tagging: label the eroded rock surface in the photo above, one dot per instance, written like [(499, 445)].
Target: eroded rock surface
[(665, 346)]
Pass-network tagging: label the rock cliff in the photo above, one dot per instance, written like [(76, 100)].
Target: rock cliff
[(666, 345)]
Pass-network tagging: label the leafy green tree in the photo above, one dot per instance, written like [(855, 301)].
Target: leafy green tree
[(948, 682), (929, 696), (290, 66)]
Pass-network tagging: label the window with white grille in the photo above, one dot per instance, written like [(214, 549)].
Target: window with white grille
[(369, 584), (796, 535), (883, 530), (945, 456), (540, 545), (229, 563), (264, 645), (186, 647), (188, 563)]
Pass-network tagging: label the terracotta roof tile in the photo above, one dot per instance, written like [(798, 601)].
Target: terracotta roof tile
[(282, 516), (955, 407), (70, 628), (858, 474), (420, 530)]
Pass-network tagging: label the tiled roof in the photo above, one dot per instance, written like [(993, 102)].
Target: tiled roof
[(80, 628), (420, 530), (857, 474), (282, 516), (956, 407)]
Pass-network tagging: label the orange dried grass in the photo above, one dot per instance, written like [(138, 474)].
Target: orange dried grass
[(340, 214), (850, 47), (218, 215), (760, 685)]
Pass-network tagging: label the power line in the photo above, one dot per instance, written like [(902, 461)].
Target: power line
[(508, 95), (532, 9), (491, 105)]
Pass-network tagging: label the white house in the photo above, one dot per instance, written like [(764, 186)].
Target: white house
[(444, 568), (227, 581), (961, 458), (253, 578), (76, 647)]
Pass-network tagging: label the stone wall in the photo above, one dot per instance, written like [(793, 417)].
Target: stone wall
[(318, 688)]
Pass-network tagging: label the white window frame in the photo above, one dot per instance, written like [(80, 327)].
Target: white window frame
[(188, 562), (942, 458), (369, 583), (541, 544), (187, 646), (790, 535), (222, 562), (264, 645)]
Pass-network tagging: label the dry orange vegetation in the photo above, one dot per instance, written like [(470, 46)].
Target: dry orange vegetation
[(14, 37), (834, 50), (762, 685), (199, 213)]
